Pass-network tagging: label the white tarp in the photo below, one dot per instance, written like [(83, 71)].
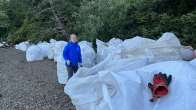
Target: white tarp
[(127, 90), (23, 46)]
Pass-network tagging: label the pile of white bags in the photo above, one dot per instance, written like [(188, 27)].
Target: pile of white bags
[(166, 48), (23, 46), (108, 89), (119, 81)]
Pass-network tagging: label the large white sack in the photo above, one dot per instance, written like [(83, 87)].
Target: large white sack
[(34, 53), (52, 49), (115, 42), (106, 90), (58, 48), (45, 48), (88, 54), (137, 42), (89, 83), (193, 62), (167, 48), (103, 50), (62, 74), (52, 40), (126, 48), (86, 43), (23, 46), (170, 38)]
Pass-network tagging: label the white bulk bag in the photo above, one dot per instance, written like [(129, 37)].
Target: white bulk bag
[(58, 48), (115, 42), (90, 94), (103, 50), (167, 48), (34, 53), (45, 48), (23, 46), (137, 42), (62, 74), (193, 62), (52, 49), (88, 54)]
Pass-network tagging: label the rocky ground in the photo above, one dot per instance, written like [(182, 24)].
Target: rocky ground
[(29, 86)]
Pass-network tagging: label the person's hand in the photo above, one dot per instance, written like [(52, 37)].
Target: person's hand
[(68, 63)]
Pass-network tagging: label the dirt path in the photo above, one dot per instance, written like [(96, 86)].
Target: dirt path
[(29, 86)]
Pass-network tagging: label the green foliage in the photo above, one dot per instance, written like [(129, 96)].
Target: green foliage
[(101, 18), (159, 16)]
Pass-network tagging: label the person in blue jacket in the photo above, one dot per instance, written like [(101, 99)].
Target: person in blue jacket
[(72, 55)]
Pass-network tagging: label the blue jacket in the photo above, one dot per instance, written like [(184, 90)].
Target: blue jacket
[(72, 52)]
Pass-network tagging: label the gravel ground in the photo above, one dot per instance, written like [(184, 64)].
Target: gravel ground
[(29, 86)]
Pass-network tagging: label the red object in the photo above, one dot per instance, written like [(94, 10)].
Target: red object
[(159, 87)]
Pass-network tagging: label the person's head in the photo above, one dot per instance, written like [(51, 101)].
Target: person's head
[(73, 37)]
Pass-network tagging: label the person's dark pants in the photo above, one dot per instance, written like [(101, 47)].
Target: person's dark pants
[(71, 70)]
